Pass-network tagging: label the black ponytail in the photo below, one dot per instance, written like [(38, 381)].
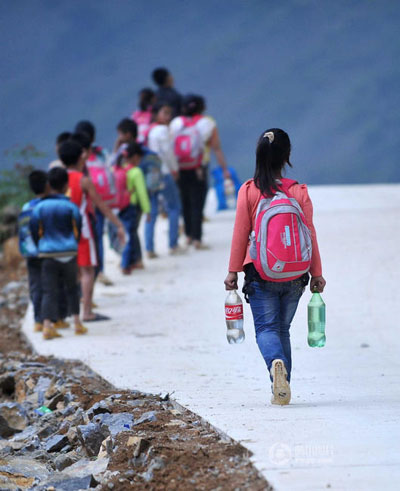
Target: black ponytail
[(272, 154)]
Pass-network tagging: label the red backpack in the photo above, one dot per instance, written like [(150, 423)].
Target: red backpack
[(143, 121), (188, 144), (280, 244), (101, 175), (123, 195)]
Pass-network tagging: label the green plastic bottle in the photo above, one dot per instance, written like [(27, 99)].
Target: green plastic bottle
[(316, 321)]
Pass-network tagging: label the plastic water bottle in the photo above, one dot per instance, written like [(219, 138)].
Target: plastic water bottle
[(230, 194), (316, 321), (234, 318)]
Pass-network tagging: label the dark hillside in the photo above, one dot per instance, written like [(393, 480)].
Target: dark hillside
[(327, 72)]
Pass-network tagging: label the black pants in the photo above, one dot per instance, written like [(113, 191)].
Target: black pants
[(34, 266), (56, 274), (193, 186)]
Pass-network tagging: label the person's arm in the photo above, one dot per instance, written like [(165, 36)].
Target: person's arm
[(76, 222), (240, 239), (317, 281), (88, 186), (215, 144)]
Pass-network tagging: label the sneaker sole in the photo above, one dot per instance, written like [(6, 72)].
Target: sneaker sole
[(280, 386)]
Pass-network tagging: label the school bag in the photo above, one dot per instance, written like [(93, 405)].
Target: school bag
[(101, 176), (188, 144), (122, 195), (150, 165), (143, 121), (280, 244)]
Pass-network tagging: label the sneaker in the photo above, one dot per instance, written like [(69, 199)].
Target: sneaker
[(102, 278), (61, 324), (80, 329), (38, 327), (280, 385), (126, 271), (177, 251), (138, 265), (152, 255), (50, 333)]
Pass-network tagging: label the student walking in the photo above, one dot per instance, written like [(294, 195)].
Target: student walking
[(166, 93), (55, 227), (159, 141), (191, 135), (39, 186), (273, 301), (102, 178), (138, 203), (143, 115), (83, 193)]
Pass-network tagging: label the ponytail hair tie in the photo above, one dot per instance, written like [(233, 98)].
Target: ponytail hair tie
[(270, 135)]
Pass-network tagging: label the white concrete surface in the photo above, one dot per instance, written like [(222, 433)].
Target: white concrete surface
[(167, 333)]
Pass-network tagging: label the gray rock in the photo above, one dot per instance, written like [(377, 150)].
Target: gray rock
[(56, 443), (12, 286), (52, 404), (91, 437), (100, 407), (12, 416), (156, 464), (115, 423), (65, 460), (47, 430), (26, 467), (85, 466), (146, 417), (69, 483), (27, 434)]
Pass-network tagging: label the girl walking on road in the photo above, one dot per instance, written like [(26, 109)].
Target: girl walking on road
[(273, 302)]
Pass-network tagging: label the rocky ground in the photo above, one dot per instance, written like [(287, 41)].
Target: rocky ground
[(62, 427)]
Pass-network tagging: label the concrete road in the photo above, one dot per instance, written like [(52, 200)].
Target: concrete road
[(167, 333)]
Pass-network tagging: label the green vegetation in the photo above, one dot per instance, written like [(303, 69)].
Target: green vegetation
[(14, 188)]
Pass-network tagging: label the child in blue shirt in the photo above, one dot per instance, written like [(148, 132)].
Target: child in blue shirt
[(39, 186), (55, 226)]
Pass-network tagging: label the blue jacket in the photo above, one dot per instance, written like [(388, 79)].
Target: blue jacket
[(27, 246), (55, 226)]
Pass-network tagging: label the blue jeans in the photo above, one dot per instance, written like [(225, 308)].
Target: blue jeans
[(132, 253), (273, 306), (172, 201), (99, 238)]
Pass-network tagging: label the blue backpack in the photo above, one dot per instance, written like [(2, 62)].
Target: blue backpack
[(151, 167)]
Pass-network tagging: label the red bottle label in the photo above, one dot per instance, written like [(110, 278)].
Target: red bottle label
[(234, 312)]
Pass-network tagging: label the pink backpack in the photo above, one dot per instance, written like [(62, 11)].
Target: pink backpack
[(101, 175), (280, 245), (143, 121), (123, 196), (188, 144)]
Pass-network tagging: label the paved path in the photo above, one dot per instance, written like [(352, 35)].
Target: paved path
[(167, 334)]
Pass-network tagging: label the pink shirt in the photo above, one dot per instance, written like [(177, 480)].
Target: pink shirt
[(248, 198)]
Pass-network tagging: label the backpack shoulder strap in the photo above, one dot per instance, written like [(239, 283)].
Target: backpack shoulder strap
[(286, 185)]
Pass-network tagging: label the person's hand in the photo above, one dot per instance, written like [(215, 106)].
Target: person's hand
[(121, 234), (231, 281), (175, 174), (148, 217), (317, 283)]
